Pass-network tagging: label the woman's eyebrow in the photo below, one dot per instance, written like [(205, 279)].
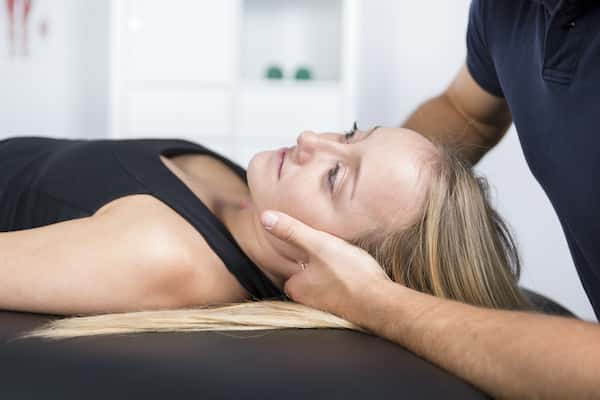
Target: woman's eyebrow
[(356, 175), (371, 131)]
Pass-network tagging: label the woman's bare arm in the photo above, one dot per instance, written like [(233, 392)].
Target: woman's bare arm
[(116, 261)]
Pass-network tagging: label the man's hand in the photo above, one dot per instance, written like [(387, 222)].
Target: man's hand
[(508, 354), (335, 272)]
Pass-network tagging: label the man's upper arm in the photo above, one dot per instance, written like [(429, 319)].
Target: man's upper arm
[(487, 113), (114, 262), (476, 91)]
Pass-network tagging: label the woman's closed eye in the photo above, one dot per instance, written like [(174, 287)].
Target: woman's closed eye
[(348, 135), (332, 174)]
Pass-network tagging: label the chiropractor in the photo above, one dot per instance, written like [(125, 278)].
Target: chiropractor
[(535, 63)]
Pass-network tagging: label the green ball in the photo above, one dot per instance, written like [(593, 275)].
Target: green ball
[(274, 72), (303, 74)]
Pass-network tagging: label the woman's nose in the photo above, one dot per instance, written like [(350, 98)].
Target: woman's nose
[(310, 143), (307, 144)]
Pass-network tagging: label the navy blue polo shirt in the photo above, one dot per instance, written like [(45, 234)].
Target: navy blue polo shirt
[(543, 57)]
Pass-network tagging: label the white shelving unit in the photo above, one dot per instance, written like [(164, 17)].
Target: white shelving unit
[(195, 70)]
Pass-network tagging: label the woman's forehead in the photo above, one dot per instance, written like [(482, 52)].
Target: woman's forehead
[(391, 181)]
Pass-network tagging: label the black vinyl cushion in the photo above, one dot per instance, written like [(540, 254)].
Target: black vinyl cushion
[(545, 305), (284, 364)]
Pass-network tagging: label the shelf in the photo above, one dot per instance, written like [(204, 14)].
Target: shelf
[(198, 70), (183, 85), (291, 34), (276, 111), (285, 84), (183, 40)]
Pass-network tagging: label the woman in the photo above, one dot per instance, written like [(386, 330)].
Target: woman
[(412, 204)]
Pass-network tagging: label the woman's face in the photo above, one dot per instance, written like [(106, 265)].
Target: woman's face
[(344, 186)]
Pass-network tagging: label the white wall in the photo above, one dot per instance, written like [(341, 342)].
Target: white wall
[(61, 89), (410, 51)]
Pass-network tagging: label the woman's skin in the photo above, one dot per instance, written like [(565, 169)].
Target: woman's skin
[(389, 162)]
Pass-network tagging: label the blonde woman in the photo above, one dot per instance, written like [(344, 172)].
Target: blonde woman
[(152, 231)]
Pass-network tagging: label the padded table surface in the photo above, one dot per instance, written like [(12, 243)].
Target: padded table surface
[(283, 364)]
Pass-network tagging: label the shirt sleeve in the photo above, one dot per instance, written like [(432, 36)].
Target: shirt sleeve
[(479, 59)]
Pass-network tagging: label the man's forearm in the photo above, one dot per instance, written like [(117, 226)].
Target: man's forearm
[(439, 119), (507, 354)]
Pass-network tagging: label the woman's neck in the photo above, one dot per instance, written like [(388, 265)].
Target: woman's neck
[(237, 212), (242, 220)]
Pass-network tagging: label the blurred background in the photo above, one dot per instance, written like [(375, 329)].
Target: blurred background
[(242, 76)]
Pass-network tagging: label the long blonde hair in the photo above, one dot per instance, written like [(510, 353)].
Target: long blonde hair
[(459, 248)]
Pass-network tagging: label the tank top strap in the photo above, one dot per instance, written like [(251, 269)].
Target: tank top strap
[(142, 158)]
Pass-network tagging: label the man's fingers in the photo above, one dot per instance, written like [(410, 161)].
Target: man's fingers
[(292, 231), (288, 288)]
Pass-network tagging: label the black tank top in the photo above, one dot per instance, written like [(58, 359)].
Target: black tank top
[(45, 180)]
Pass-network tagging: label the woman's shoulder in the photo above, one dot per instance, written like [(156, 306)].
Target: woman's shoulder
[(149, 219), (177, 244)]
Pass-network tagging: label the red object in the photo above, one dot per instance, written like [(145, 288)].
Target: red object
[(25, 30), (10, 8), (26, 10), (18, 13)]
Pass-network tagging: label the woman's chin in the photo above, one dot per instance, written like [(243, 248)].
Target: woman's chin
[(256, 174), (257, 159), (261, 165)]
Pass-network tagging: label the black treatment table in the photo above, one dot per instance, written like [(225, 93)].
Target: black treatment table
[(276, 364)]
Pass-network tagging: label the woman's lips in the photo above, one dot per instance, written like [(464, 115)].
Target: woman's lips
[(281, 160)]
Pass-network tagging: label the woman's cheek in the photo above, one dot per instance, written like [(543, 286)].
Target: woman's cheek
[(292, 202), (309, 211)]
